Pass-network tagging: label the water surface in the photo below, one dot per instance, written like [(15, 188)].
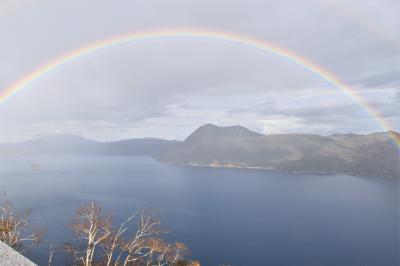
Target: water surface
[(226, 216)]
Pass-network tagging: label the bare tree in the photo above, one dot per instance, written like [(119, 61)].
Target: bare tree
[(16, 229), (51, 253), (93, 229), (102, 244)]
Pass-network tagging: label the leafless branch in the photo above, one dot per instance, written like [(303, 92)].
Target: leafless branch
[(16, 229)]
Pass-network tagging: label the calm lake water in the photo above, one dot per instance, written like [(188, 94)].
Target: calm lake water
[(226, 216)]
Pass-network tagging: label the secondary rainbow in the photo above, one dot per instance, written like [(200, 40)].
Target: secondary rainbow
[(220, 36)]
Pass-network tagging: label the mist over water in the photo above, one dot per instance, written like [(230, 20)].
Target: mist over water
[(226, 216)]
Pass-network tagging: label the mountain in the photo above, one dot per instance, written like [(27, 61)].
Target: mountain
[(51, 145), (69, 144), (371, 155), (209, 132), (235, 146)]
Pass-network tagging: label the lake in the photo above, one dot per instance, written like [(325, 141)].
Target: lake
[(225, 216)]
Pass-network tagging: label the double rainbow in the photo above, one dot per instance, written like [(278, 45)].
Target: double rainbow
[(236, 39)]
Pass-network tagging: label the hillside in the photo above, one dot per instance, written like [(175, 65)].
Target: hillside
[(236, 146), (372, 155)]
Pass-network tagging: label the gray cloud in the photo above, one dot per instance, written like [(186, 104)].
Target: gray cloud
[(144, 88), (387, 79)]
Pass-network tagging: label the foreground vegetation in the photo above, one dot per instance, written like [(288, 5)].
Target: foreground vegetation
[(97, 240)]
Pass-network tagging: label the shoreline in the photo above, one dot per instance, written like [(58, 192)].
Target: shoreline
[(260, 168)]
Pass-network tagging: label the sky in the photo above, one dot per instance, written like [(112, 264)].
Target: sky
[(168, 87)]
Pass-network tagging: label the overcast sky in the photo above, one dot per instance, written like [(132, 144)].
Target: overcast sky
[(166, 88)]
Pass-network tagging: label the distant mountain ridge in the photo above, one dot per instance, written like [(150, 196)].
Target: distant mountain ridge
[(70, 144), (236, 146)]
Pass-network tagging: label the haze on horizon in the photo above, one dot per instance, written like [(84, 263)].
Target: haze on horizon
[(167, 88)]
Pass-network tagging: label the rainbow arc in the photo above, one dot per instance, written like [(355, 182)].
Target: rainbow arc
[(242, 40)]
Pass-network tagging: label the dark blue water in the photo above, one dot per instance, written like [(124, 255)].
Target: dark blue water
[(226, 216)]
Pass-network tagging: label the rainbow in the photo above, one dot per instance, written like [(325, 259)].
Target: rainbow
[(221, 36)]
